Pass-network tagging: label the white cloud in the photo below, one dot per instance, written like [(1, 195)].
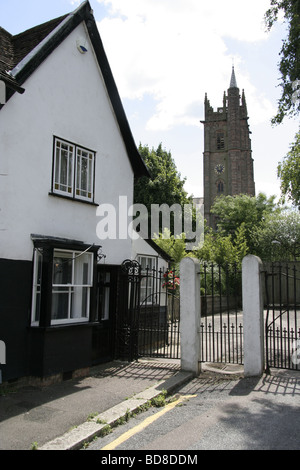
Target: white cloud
[(175, 50)]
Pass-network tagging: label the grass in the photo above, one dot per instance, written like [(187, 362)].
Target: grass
[(157, 402)]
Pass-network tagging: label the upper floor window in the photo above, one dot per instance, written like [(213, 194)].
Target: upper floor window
[(73, 170), (220, 141)]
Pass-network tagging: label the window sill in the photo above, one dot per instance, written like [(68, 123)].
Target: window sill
[(74, 199), (86, 324), (154, 305)]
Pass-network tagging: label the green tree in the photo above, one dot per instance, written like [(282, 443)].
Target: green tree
[(174, 246), (248, 211), (165, 185), (223, 259), (278, 238), (223, 249), (289, 173), (289, 65)]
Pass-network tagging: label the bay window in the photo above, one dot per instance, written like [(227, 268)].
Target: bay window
[(63, 284)]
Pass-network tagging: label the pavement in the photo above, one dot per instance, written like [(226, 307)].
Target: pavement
[(68, 414), (65, 415)]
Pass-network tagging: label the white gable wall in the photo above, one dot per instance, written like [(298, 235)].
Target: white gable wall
[(141, 248), (64, 97)]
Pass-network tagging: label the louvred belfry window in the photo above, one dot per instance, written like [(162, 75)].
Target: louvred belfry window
[(220, 141), (220, 186)]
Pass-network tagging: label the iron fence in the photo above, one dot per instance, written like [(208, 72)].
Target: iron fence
[(282, 314), (221, 314), (149, 325), (159, 319), (148, 320)]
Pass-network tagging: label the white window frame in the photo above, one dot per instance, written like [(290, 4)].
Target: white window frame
[(36, 288), (147, 283), (71, 287), (77, 159)]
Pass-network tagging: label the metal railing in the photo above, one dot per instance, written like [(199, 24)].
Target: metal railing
[(282, 314), (221, 314), (148, 322)]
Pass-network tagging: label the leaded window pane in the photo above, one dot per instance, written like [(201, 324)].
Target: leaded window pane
[(73, 171)]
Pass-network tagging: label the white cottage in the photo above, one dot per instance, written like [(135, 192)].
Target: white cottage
[(65, 149)]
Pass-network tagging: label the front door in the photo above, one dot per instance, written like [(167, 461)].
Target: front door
[(104, 330)]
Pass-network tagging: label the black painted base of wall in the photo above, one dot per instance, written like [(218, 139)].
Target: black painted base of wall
[(15, 301), (41, 352), (60, 349)]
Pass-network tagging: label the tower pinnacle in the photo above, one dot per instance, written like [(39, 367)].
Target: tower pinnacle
[(233, 83)]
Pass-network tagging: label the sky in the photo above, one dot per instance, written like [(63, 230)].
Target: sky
[(166, 54)]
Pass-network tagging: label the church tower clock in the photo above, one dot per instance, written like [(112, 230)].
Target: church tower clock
[(227, 156)]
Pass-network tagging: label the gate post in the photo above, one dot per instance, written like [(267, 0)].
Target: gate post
[(190, 315), (253, 316)]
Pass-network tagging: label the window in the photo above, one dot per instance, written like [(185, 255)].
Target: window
[(147, 279), (73, 171), (220, 141), (71, 285), (72, 281), (220, 186)]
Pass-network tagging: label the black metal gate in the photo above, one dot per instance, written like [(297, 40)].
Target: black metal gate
[(221, 314), (128, 307), (282, 316), (148, 317)]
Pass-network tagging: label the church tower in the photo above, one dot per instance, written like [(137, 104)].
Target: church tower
[(227, 157)]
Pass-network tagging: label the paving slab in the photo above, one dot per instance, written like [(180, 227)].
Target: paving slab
[(32, 416)]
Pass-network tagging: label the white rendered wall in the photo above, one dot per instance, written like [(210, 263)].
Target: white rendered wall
[(141, 248), (65, 97)]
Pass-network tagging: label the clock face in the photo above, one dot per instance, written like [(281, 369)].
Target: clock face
[(219, 169)]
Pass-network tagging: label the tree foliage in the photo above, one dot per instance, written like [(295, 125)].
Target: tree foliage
[(224, 249), (174, 246), (165, 186), (278, 238), (289, 173), (289, 65), (243, 210)]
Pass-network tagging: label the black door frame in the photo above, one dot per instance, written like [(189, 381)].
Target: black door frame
[(104, 333)]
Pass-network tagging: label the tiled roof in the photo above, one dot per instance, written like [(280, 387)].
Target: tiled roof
[(6, 57), (15, 48), (25, 42), (19, 50)]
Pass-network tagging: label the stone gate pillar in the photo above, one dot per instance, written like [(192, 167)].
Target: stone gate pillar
[(190, 315), (253, 317)]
